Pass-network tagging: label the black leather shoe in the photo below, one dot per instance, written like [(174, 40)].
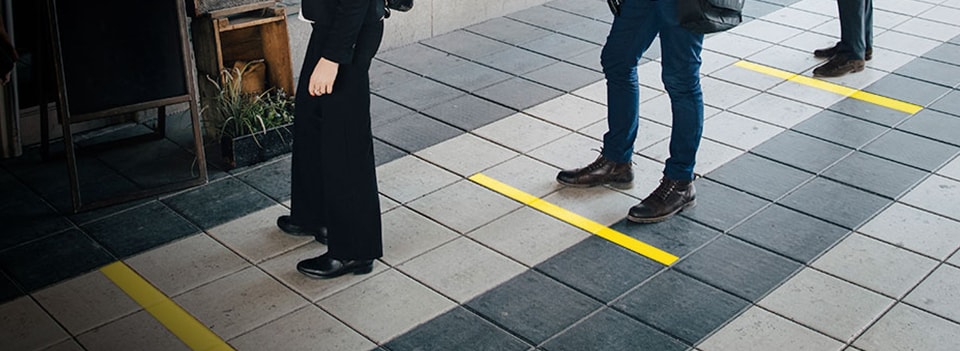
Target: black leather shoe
[(832, 51), (323, 267), (838, 66), (600, 172), (286, 225), (671, 197)]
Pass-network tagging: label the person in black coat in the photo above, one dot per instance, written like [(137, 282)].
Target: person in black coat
[(334, 185)]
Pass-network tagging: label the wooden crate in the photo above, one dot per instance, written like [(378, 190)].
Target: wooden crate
[(218, 42), (218, 8)]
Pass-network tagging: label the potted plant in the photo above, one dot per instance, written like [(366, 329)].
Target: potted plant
[(252, 124)]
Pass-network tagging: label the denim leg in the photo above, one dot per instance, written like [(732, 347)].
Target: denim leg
[(853, 24), (681, 78), (631, 34)]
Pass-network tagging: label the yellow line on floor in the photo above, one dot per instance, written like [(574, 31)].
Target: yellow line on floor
[(834, 88), (579, 221), (193, 333)]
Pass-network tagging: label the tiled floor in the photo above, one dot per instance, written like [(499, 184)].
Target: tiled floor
[(824, 222)]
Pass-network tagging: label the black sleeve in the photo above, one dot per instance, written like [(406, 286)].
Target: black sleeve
[(342, 38)]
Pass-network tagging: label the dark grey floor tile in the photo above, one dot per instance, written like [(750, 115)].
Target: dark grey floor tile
[(25, 216), (934, 125), (384, 153), (955, 40), (51, 181), (519, 93), (610, 330), (913, 150), (841, 129), (559, 46), (600, 268), (151, 164), (52, 259), (384, 75), (218, 202), (419, 59), (759, 176), (88, 216), (272, 179), (782, 2), (564, 76), (465, 44), (415, 132), (508, 30), (547, 17), (876, 175), (516, 61), (840, 204), (419, 94), (469, 112), (907, 89), (457, 329), (591, 60), (678, 235), (931, 71), (383, 111), (8, 290), (801, 151), (738, 267), (681, 306), (869, 112), (722, 207), (140, 229), (789, 233), (949, 104), (533, 306), (469, 76), (757, 9), (590, 30), (946, 53), (583, 8)]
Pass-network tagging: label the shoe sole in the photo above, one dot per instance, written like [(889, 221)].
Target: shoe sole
[(661, 218), (622, 186), (855, 70), (358, 271)]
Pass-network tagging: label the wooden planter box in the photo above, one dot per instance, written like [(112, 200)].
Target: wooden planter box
[(244, 150)]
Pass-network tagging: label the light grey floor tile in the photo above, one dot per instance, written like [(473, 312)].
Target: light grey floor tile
[(240, 302), (776, 110), (907, 328), (766, 31), (916, 230), (806, 94), (139, 331), (943, 14), (646, 177), (521, 132), (186, 264), (409, 178), (526, 174), (759, 330), (936, 194), (309, 328), (386, 305), (955, 260), (466, 154), (596, 92), (25, 326), (873, 264), (928, 29), (786, 59), (599, 204), (650, 73), (888, 19), (724, 95), (461, 269), (85, 302), (738, 131), (939, 293), (407, 234), (658, 110), (710, 155), (809, 41), (386, 204), (571, 151), (283, 268), (529, 236), (747, 77), (816, 6), (904, 43), (734, 45), (951, 169), (569, 111), (797, 18), (648, 133), (906, 7), (827, 304), (464, 206), (712, 62), (256, 236)]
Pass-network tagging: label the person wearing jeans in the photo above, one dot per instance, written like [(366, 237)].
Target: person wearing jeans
[(855, 47), (634, 29)]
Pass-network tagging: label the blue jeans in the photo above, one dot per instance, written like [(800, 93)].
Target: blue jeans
[(632, 33), (856, 28)]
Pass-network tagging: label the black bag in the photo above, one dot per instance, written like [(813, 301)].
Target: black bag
[(400, 5), (709, 16)]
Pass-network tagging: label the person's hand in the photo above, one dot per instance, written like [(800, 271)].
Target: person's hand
[(324, 74)]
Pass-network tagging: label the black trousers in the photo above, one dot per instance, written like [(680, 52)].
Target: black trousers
[(334, 181)]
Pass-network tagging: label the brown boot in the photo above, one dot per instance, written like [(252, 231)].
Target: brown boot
[(838, 66), (671, 197), (832, 51), (600, 172)]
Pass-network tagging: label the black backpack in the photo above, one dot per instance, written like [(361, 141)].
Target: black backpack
[(709, 16)]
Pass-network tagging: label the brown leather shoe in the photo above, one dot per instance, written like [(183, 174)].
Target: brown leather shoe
[(671, 197), (830, 52), (600, 172), (838, 66)]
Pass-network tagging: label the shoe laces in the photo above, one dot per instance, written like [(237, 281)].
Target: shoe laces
[(665, 188)]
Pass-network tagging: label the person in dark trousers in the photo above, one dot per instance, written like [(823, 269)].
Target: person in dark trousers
[(634, 29), (334, 184), (855, 47)]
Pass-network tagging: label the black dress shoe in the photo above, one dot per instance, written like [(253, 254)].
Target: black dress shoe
[(671, 197), (832, 51), (601, 171), (323, 267), (286, 225), (838, 66)]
